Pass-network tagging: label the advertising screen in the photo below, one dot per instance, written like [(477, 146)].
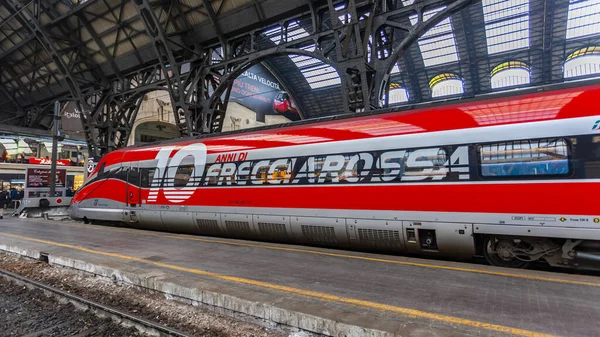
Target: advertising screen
[(40, 177)]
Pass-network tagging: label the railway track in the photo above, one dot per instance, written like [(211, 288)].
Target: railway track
[(125, 319)]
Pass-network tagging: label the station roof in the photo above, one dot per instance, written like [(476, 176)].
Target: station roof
[(490, 45)]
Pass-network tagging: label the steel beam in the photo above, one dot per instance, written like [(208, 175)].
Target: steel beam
[(199, 108), (87, 58), (9, 96), (383, 67), (175, 83), (213, 17), (469, 48), (28, 19), (99, 43)]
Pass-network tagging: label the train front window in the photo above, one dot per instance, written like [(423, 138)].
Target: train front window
[(539, 157)]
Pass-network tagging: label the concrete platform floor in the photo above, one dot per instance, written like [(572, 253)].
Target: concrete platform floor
[(324, 290)]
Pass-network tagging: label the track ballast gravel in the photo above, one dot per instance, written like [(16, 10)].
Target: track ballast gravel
[(22, 308), (27, 312)]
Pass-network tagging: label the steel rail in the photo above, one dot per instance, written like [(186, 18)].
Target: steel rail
[(149, 326)]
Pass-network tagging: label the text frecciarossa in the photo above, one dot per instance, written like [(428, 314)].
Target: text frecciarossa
[(439, 163)]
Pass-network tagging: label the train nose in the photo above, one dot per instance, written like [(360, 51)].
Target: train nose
[(74, 211)]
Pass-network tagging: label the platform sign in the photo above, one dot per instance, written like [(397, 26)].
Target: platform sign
[(258, 90), (71, 118)]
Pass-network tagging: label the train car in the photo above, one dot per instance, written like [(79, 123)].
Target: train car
[(511, 178)]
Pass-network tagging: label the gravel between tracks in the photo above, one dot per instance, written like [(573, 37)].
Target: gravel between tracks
[(24, 307), (31, 312)]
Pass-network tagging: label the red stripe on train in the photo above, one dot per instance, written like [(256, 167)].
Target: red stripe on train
[(539, 198)]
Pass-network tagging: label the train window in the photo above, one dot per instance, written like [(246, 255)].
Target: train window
[(133, 176), (261, 175), (421, 164), (147, 176), (112, 172), (183, 175), (120, 173), (280, 172), (525, 158)]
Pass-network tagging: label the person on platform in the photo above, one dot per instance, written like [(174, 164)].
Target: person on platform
[(14, 194), (5, 199), (70, 192)]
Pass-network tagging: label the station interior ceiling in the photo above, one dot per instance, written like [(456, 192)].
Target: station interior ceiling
[(338, 57)]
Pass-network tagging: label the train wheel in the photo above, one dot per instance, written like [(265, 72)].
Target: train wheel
[(501, 252)]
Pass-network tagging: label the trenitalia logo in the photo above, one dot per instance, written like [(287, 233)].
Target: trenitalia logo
[(194, 154), (596, 125)]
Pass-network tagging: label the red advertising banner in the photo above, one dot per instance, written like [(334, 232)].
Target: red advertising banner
[(40, 177), (61, 162)]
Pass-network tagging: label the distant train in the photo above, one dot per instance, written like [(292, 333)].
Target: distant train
[(515, 179)]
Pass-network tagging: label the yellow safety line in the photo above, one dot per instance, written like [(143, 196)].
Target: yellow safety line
[(347, 256), (302, 292)]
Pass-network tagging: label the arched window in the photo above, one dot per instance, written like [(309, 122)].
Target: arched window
[(398, 94), (510, 74), (446, 84), (582, 62), (317, 73)]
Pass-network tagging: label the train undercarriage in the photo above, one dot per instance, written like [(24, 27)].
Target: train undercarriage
[(521, 252), (498, 250)]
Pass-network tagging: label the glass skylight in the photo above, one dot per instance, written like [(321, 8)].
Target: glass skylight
[(584, 18), (510, 74), (398, 95), (582, 62), (317, 73), (446, 85), (506, 24), (438, 45)]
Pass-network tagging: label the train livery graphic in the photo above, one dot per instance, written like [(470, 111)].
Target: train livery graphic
[(514, 179)]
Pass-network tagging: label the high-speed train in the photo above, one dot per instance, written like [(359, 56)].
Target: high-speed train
[(515, 179)]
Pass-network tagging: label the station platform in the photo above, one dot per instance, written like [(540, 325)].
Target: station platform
[(332, 292)]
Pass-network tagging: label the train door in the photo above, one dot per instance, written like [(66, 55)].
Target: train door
[(133, 191)]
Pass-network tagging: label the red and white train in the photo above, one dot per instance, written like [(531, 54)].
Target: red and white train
[(514, 179)]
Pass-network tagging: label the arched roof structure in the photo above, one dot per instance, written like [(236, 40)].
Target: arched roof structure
[(106, 52)]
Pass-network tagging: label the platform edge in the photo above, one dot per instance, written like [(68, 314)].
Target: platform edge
[(222, 303)]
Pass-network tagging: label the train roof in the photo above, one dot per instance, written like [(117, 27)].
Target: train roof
[(576, 99)]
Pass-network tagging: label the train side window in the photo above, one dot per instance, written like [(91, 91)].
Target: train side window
[(121, 173), (133, 176), (539, 157), (183, 175), (147, 176), (112, 173), (421, 164)]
